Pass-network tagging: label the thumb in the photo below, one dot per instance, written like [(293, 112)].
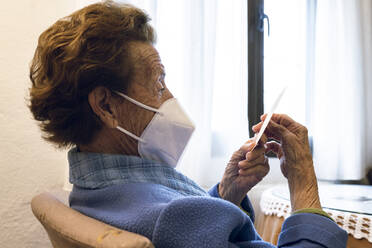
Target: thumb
[(276, 131)]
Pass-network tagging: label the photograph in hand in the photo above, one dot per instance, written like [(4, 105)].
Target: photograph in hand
[(268, 117)]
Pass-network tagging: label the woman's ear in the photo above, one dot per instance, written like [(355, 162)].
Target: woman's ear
[(103, 105)]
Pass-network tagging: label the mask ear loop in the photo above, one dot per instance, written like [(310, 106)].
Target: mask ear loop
[(138, 103), (130, 134), (141, 105)]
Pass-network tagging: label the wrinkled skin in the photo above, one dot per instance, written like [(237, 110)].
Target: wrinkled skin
[(245, 169)]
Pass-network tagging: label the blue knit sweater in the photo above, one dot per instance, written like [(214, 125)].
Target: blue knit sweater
[(156, 201)]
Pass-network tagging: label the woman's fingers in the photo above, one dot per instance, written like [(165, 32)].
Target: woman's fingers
[(247, 146), (245, 151), (283, 119), (245, 164), (258, 151), (260, 170), (263, 140), (277, 127), (277, 131), (274, 147), (256, 128)]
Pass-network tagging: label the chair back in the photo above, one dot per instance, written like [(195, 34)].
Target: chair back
[(69, 228)]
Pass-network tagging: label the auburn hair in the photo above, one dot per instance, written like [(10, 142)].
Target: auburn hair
[(75, 55)]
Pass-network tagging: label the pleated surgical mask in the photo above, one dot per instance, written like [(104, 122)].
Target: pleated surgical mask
[(167, 134)]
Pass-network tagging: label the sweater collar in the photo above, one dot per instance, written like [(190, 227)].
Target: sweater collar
[(97, 170)]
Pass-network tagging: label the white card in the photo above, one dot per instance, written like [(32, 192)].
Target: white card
[(268, 117)]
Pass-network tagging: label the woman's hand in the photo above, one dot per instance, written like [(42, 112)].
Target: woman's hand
[(245, 169), (296, 162), (293, 149)]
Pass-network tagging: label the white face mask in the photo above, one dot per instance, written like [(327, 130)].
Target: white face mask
[(166, 136)]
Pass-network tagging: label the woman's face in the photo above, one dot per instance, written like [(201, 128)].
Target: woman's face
[(147, 86), (147, 83)]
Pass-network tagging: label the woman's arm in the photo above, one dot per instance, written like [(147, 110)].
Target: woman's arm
[(211, 222)]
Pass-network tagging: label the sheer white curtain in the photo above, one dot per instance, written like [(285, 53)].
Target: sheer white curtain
[(203, 46), (285, 57), (186, 43), (366, 12), (341, 101)]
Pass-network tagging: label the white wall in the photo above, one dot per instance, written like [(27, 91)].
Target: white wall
[(28, 165)]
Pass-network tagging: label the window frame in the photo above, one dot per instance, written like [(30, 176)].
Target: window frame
[(255, 63), (256, 43)]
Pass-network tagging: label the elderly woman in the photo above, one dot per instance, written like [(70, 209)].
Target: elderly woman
[(98, 87)]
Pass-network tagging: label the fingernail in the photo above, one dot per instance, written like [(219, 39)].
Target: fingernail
[(240, 163)]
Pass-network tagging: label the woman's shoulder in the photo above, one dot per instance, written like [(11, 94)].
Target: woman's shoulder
[(141, 193)]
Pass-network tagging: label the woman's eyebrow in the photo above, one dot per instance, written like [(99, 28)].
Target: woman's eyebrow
[(163, 70), (159, 69)]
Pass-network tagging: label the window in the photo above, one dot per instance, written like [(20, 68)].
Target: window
[(285, 57), (282, 42), (319, 50)]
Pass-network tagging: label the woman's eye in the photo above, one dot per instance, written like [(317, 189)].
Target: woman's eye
[(160, 86), (161, 82)]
